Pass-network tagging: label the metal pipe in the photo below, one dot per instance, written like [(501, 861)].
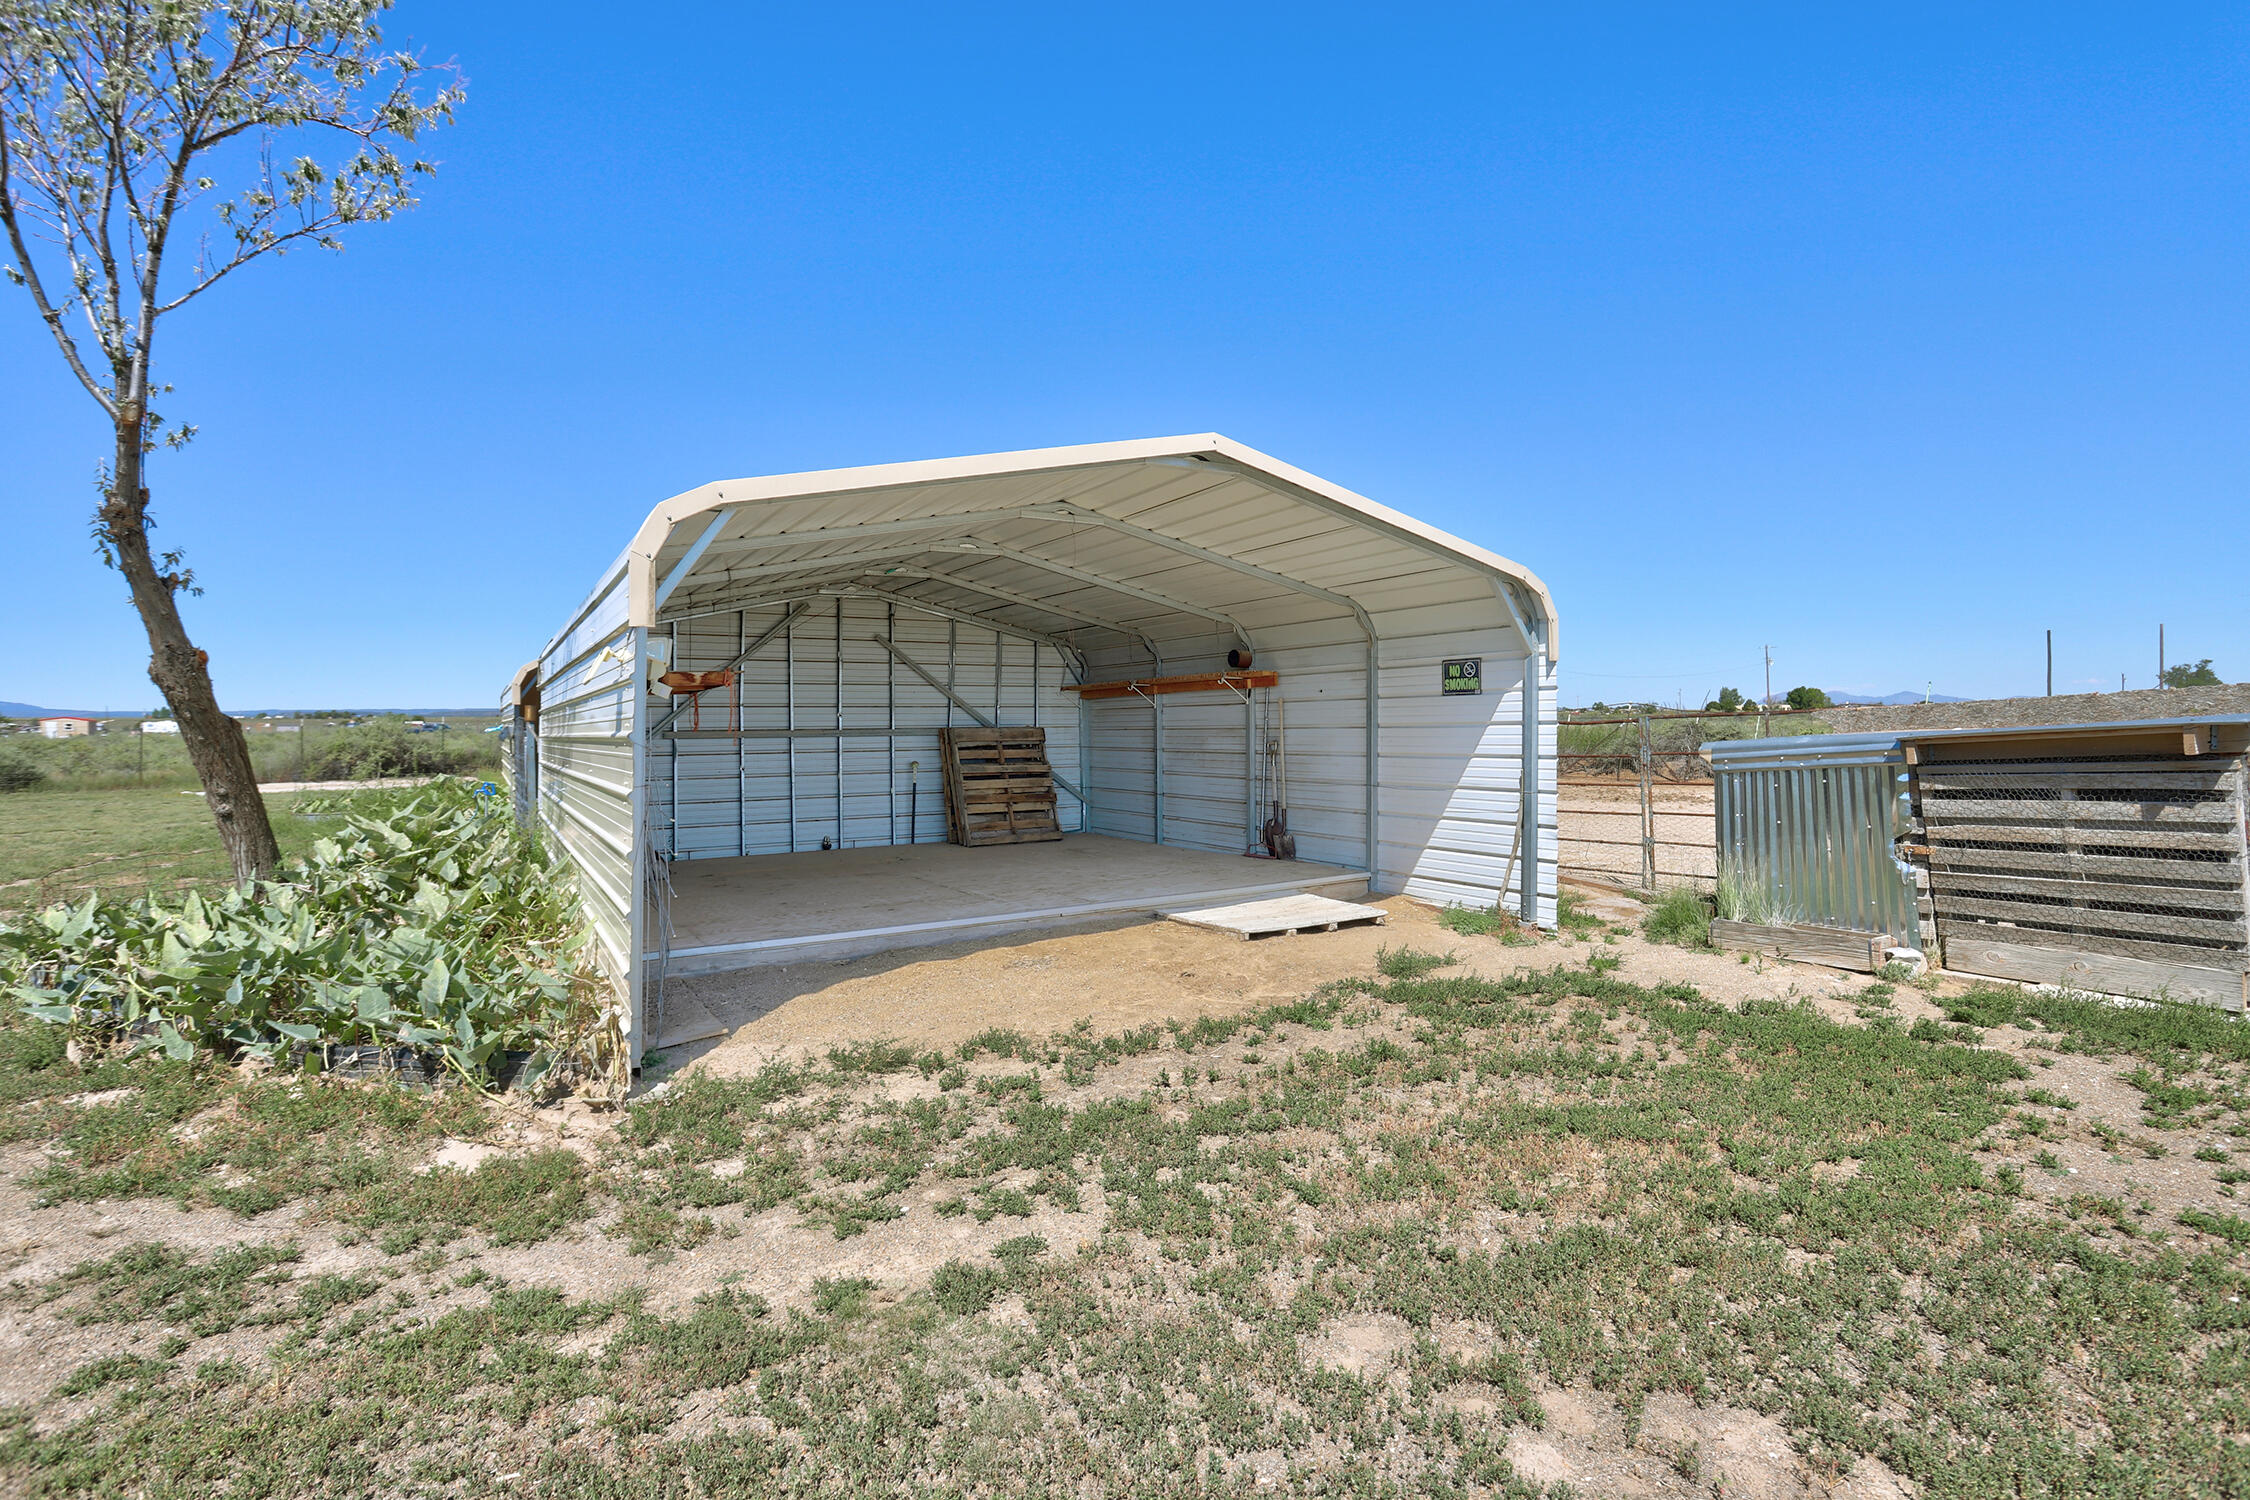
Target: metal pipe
[(789, 714), (636, 914), (839, 723), (1528, 789), (1156, 712), (890, 722), (672, 826), (1250, 769), (741, 763)]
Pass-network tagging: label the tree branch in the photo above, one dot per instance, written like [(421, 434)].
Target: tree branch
[(29, 271)]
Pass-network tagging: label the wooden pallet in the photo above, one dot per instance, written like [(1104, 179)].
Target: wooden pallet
[(999, 788), (1276, 915), (2109, 859)]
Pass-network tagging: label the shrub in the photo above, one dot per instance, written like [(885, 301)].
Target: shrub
[(1680, 916), (18, 772), (382, 748)]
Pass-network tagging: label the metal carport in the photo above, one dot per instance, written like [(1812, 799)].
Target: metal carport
[(863, 608)]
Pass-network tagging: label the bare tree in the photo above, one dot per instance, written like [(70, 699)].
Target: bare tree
[(117, 118)]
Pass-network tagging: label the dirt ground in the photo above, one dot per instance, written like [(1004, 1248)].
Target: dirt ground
[(1118, 976), (1685, 851), (1115, 978)]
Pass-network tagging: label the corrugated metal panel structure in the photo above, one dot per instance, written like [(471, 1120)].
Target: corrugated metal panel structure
[(861, 610), (826, 736), (1808, 829), (2109, 856)]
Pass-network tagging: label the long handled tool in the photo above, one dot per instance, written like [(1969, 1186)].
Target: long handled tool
[(1280, 842)]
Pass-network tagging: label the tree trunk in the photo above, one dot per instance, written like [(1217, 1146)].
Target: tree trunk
[(214, 741)]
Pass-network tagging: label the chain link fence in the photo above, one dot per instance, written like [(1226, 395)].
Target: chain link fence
[(1635, 803)]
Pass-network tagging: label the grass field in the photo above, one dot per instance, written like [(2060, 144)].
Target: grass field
[(318, 750), (62, 845), (119, 813), (1359, 1245)]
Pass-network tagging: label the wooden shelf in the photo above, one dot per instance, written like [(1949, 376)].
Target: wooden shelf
[(1190, 682)]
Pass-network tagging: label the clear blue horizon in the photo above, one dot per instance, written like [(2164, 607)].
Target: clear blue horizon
[(1892, 340)]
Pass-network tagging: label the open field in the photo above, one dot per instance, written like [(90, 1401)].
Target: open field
[(119, 816), (319, 750), (1393, 1212), (63, 845)]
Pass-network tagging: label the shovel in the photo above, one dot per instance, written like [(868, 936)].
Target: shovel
[(1279, 841)]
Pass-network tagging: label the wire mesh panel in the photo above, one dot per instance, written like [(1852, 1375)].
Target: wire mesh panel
[(2128, 855)]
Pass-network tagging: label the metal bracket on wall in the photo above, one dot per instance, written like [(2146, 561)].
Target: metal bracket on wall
[(679, 706)]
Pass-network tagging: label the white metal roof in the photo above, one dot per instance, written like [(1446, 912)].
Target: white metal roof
[(1151, 538)]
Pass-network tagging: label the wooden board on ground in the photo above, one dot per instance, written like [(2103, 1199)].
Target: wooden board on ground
[(999, 788), (2099, 973), (1834, 947), (1277, 915)]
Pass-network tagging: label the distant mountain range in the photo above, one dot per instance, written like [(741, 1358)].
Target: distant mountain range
[(30, 711), (33, 711), (1895, 698)]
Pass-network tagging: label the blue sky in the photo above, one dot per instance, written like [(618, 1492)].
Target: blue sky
[(1892, 339)]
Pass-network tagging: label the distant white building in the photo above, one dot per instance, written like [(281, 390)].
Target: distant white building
[(160, 726), (65, 727)]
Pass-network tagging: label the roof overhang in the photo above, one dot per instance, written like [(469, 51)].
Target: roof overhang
[(1139, 539)]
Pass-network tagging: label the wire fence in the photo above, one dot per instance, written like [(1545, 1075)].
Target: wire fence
[(1636, 792)]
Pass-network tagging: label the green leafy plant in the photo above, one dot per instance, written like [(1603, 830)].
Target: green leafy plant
[(437, 925), (1679, 916)]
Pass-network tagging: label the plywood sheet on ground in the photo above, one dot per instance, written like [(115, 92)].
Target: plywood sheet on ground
[(1278, 915)]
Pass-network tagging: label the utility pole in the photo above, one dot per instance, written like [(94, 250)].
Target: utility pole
[(1768, 699), (2160, 655), (2050, 664)]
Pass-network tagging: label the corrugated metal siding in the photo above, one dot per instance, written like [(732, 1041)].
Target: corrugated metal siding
[(771, 794), (1815, 842), (1207, 735), (1452, 767), (584, 778)]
